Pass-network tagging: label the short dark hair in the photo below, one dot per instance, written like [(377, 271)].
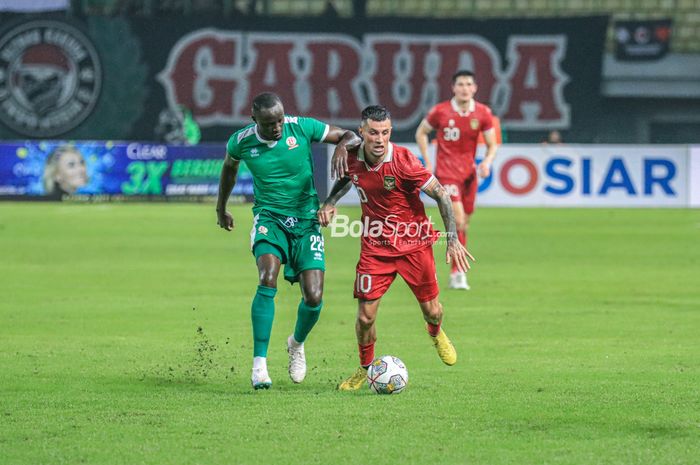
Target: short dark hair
[(463, 73), (375, 113), (265, 101)]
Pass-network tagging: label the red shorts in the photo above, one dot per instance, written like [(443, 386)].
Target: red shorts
[(375, 275), (462, 191)]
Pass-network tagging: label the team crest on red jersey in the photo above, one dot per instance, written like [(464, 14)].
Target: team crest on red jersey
[(474, 123), (389, 182)]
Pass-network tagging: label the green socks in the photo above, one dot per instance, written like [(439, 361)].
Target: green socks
[(262, 314), (306, 319)]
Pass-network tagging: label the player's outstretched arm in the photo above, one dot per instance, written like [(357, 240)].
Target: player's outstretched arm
[(424, 129), (328, 210), (229, 171), (345, 140), (455, 251)]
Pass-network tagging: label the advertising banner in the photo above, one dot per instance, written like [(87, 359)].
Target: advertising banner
[(116, 171), (642, 40), (582, 176), (124, 78), (694, 176), (34, 5)]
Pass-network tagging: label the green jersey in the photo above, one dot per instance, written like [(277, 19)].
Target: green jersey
[(282, 170)]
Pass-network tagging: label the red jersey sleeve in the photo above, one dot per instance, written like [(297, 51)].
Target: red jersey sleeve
[(433, 117), (412, 172), (486, 119)]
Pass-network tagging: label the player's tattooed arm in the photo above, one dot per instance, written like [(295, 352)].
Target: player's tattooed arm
[(339, 189), (435, 191), (455, 250), (346, 141), (328, 210), (229, 171)]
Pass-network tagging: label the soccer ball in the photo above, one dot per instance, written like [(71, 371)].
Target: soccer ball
[(387, 375)]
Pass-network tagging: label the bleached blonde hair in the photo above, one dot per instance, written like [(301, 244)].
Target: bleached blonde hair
[(51, 167)]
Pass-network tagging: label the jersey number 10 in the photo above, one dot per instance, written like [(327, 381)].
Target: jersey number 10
[(363, 283), (361, 194)]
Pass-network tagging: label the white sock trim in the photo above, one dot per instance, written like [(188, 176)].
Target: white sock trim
[(259, 363)]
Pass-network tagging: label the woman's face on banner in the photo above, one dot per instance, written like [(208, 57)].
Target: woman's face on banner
[(71, 173)]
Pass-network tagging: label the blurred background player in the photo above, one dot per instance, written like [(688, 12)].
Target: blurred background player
[(553, 138), (277, 150), (458, 123), (399, 239)]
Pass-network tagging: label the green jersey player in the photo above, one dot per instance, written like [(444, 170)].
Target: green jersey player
[(277, 151)]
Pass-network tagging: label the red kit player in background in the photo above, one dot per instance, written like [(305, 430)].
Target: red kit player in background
[(397, 235), (458, 122)]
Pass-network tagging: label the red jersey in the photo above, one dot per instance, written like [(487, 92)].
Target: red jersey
[(393, 215), (457, 135)]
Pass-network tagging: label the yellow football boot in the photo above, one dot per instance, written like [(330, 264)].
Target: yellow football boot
[(355, 382), (444, 347)]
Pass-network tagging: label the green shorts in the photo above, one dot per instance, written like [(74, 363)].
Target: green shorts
[(297, 242)]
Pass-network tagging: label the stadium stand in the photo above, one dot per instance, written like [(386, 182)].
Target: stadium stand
[(684, 13)]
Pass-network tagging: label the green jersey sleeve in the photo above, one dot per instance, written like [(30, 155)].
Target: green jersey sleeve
[(314, 129), (233, 150)]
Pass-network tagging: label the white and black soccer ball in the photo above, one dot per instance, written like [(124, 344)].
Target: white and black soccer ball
[(387, 375)]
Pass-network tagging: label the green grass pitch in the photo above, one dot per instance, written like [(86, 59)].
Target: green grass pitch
[(125, 339)]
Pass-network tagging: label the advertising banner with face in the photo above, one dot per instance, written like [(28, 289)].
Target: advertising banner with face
[(95, 171)]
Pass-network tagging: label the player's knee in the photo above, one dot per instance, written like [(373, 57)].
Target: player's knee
[(433, 312), (365, 320), (313, 297), (467, 218), (434, 315), (268, 278)]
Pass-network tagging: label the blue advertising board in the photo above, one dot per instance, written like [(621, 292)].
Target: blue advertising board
[(105, 170)]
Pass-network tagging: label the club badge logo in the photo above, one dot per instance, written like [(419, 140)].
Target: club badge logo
[(292, 142), (50, 78), (474, 124), (389, 182)]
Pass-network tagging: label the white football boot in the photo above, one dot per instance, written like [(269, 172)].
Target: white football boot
[(458, 280), (260, 379), (297, 360)]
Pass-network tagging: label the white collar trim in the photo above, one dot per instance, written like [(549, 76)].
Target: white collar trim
[(387, 158), (269, 143), (455, 107)]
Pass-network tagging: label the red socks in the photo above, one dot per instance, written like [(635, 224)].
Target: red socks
[(462, 237), (366, 354), (433, 330)]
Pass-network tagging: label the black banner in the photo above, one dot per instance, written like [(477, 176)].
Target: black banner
[(642, 40), (119, 78)]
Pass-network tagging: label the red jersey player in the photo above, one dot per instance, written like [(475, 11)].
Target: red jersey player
[(458, 122), (397, 235)]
